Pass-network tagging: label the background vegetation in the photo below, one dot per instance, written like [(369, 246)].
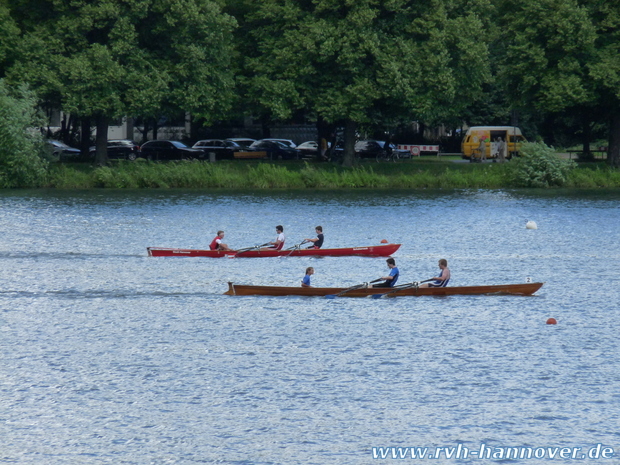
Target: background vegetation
[(550, 66), (291, 175), (22, 160)]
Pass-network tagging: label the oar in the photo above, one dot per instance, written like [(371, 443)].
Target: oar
[(294, 248), (298, 245), (400, 288), (359, 286), (251, 248)]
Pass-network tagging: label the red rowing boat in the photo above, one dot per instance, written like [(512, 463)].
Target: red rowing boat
[(497, 289), (371, 251)]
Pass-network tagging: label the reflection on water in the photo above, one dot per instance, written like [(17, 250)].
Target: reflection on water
[(110, 356)]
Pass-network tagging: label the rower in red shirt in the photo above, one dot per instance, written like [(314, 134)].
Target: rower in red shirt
[(217, 244)]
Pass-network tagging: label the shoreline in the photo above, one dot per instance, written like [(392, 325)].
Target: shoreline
[(419, 173)]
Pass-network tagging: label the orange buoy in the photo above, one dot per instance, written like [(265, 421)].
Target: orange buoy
[(384, 241), (552, 321)]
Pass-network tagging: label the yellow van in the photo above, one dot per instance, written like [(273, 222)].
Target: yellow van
[(491, 134)]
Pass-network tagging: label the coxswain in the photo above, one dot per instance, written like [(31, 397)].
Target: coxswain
[(306, 281)]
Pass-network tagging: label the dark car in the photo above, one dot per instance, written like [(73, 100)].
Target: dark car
[(169, 150), (375, 149), (276, 150), (59, 151), (120, 148), (223, 149)]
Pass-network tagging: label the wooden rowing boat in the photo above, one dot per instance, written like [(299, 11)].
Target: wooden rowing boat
[(371, 251), (498, 289)]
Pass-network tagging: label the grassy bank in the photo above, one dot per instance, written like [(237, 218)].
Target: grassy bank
[(418, 173)]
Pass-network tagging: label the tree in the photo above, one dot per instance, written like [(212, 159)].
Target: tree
[(365, 61), (115, 58), (8, 34), (563, 56), (22, 163)]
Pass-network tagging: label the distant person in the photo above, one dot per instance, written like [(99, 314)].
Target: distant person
[(501, 150), (323, 148), (306, 281), (387, 148), (279, 242), (317, 242), (217, 244), (443, 278), (391, 279), (483, 149)]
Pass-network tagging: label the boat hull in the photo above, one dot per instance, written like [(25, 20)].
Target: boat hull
[(370, 251), (499, 289)]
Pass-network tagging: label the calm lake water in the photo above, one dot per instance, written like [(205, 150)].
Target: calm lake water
[(109, 356)]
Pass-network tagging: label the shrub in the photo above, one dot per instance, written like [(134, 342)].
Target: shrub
[(22, 162), (540, 166)]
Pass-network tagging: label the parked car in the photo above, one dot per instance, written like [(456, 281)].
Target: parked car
[(276, 150), (223, 149), (120, 148), (375, 149), (311, 149), (286, 142), (169, 150), (59, 151), (308, 148), (243, 142)]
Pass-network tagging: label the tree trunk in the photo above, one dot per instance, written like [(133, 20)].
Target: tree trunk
[(101, 141), (63, 128), (349, 143), (84, 137), (265, 129), (333, 140), (144, 131), (586, 138), (613, 151), (130, 127), (155, 127)]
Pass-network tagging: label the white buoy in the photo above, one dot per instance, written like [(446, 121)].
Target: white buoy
[(531, 225)]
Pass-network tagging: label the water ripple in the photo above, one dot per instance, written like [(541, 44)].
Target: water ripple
[(109, 356)]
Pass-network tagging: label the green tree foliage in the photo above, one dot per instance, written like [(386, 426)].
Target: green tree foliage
[(365, 60), (564, 55), (21, 151), (113, 58), (8, 37)]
